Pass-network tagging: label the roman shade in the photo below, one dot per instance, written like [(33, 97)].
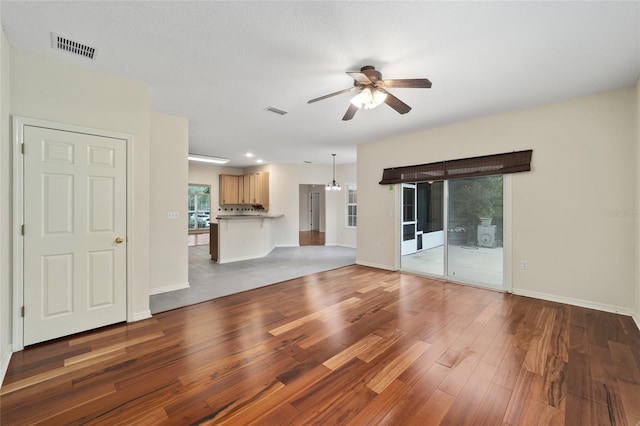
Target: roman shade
[(495, 164)]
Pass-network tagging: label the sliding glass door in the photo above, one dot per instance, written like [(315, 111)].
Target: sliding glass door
[(476, 211), (471, 212)]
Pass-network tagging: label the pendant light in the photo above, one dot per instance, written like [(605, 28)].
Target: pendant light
[(333, 185)]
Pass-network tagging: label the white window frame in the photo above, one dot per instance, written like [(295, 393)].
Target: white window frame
[(196, 211), (351, 186)]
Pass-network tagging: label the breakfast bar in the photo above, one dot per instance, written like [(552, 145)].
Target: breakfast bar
[(242, 237)]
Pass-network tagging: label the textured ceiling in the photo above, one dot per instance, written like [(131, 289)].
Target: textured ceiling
[(220, 64)]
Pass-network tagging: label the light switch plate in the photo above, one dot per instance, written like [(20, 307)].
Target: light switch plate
[(173, 215)]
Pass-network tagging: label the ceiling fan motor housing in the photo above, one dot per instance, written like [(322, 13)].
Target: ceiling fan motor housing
[(371, 73)]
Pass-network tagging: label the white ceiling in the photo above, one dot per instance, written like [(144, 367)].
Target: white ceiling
[(220, 64)]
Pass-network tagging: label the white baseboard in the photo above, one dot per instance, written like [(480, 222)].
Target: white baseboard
[(166, 288), (288, 245), (576, 302), (139, 316), (4, 361), (374, 265), (346, 245), (636, 318), (240, 258)]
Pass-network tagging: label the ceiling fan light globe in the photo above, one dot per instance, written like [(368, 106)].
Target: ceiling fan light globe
[(368, 99)]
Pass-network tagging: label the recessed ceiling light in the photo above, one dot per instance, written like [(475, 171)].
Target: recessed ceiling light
[(207, 159), (248, 154), (258, 160)]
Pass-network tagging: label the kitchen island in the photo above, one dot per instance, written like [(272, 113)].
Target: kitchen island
[(243, 237)]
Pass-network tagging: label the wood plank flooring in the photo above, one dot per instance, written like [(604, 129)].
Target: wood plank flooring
[(311, 238), (353, 346)]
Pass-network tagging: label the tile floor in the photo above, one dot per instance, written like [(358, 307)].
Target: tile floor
[(479, 265), (209, 280)]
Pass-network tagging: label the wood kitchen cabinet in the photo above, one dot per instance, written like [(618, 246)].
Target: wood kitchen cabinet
[(213, 242), (228, 190), (248, 189), (263, 182), (259, 189), (243, 189)]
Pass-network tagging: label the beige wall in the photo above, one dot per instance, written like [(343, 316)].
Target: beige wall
[(5, 209), (52, 90), (168, 251), (570, 213), (347, 237)]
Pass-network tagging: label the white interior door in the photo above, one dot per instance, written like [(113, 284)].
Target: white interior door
[(315, 210), (74, 238)]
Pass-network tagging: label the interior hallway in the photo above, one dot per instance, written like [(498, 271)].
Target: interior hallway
[(311, 238)]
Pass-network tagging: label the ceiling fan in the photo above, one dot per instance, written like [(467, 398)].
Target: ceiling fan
[(372, 91)]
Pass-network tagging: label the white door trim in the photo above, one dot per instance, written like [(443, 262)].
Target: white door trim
[(18, 214), (507, 242)]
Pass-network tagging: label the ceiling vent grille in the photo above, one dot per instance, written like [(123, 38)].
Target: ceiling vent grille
[(276, 110), (62, 43)]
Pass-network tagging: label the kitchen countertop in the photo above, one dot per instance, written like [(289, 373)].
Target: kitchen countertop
[(248, 216)]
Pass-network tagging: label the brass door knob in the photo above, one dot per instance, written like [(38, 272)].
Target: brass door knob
[(119, 240)]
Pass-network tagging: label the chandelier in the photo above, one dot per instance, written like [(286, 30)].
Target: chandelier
[(333, 185)]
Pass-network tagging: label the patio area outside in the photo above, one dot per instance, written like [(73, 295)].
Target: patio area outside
[(470, 264)]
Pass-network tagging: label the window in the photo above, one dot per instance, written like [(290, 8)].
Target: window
[(199, 207), (352, 208)]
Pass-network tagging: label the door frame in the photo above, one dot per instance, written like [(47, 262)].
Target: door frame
[(403, 249), (19, 124)]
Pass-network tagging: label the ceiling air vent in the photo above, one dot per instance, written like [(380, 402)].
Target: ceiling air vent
[(276, 110), (62, 43)]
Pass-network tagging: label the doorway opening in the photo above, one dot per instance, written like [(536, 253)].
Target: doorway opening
[(199, 214), (311, 215)]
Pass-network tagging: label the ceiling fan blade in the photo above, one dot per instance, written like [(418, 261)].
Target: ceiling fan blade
[(396, 103), (351, 111), (411, 83), (360, 77), (350, 89)]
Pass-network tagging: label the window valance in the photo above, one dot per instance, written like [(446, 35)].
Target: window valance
[(495, 164)]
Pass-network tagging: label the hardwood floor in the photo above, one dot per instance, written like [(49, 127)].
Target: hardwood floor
[(356, 346), (311, 238)]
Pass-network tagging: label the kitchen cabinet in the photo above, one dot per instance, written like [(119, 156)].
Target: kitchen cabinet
[(243, 189), (248, 189), (228, 190), (213, 242), (259, 189), (264, 190)]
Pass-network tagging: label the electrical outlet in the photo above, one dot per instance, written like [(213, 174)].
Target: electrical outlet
[(524, 264)]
